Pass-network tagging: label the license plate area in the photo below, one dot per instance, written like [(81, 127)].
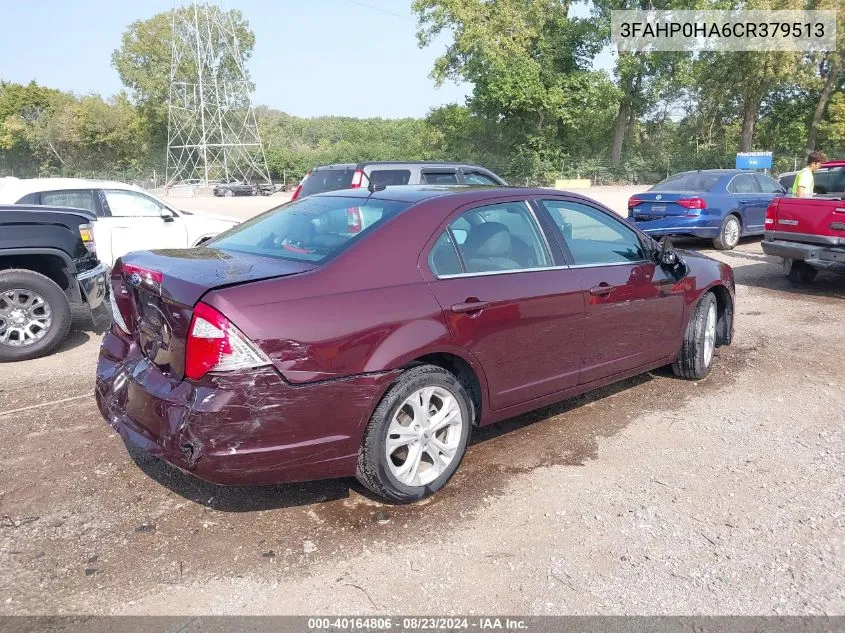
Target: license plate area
[(658, 207)]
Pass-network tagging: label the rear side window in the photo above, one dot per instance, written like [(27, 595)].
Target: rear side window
[(78, 199), (321, 180), (311, 229), (131, 204), (787, 181), (694, 182), (440, 177), (490, 239), (390, 177), (594, 238)]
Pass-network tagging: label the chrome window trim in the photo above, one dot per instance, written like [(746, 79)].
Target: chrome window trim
[(543, 269), (736, 193)]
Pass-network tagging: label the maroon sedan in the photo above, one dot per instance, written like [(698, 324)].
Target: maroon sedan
[(366, 333)]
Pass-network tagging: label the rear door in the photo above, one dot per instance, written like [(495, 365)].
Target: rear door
[(750, 201), (634, 308), (135, 223), (508, 302)]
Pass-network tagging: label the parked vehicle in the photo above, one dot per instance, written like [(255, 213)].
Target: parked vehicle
[(128, 218), (48, 261), (294, 348), (235, 188), (809, 233), (323, 178), (719, 204), (829, 179)]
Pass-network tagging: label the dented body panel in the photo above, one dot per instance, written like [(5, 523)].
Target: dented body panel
[(246, 427)]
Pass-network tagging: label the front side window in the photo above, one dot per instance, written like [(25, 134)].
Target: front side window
[(744, 183), (767, 184), (494, 238), (477, 178), (77, 199), (130, 204), (312, 229), (594, 238)]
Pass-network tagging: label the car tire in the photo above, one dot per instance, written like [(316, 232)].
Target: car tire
[(409, 473), (799, 272), (229, 193), (54, 313), (699, 346), (729, 233)]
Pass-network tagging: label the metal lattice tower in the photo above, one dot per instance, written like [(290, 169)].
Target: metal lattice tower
[(212, 133)]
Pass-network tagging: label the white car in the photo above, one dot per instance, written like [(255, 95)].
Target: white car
[(128, 218)]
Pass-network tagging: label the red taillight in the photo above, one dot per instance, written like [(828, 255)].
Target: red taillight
[(296, 192), (353, 220), (771, 213), (144, 274), (215, 344), (357, 179), (692, 203), (632, 202)]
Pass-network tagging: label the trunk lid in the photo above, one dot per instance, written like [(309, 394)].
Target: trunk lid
[(654, 205), (809, 220), (156, 291)]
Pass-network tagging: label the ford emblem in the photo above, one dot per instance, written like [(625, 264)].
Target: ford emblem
[(135, 279)]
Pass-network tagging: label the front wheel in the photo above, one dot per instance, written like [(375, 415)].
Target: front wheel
[(729, 234), (417, 436), (34, 315), (699, 346), (229, 193)]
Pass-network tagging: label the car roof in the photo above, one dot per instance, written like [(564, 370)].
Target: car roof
[(418, 193), (19, 187), (397, 163), (39, 208)]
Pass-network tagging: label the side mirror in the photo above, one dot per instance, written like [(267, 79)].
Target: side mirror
[(668, 257), (167, 215)]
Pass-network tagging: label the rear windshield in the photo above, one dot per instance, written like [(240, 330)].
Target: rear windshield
[(311, 229), (321, 180), (694, 182), (829, 180)]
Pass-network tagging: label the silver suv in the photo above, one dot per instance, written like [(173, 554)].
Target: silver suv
[(353, 175)]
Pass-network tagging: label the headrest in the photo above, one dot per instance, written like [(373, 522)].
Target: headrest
[(489, 239)]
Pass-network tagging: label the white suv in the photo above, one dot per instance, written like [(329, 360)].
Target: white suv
[(128, 218)]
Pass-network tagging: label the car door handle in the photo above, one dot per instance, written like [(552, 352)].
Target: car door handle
[(602, 290), (470, 305)]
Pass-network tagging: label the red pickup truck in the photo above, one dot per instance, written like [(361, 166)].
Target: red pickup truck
[(809, 233)]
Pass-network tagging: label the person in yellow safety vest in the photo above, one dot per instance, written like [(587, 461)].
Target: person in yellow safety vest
[(804, 181)]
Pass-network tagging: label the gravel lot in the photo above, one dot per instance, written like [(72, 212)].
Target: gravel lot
[(656, 496)]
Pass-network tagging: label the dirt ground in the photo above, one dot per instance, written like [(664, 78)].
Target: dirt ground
[(655, 496)]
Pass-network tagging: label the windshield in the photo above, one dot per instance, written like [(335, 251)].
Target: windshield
[(692, 182), (829, 180), (311, 230), (322, 180)]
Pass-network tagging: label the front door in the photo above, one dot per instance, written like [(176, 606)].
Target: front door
[(135, 223), (749, 199), (506, 302), (634, 308)]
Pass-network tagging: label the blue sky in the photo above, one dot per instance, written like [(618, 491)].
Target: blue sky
[(311, 57)]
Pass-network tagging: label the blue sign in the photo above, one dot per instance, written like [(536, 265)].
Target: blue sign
[(754, 160)]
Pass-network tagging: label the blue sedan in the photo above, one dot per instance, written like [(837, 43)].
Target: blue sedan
[(719, 204)]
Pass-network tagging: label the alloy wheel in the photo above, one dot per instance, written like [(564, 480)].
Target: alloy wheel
[(423, 436), (25, 317)]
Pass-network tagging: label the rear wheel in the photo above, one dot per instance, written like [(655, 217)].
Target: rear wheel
[(729, 234), (34, 315), (699, 346), (417, 436), (229, 193), (799, 272)]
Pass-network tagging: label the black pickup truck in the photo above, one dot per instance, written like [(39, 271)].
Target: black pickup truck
[(48, 261)]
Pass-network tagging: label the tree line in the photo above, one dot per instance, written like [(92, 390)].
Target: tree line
[(537, 109)]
